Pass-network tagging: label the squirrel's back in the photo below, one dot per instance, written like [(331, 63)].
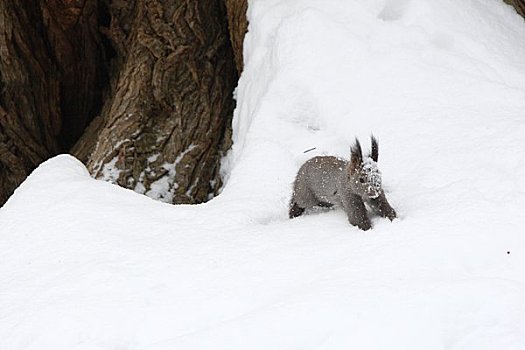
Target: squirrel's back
[(322, 177)]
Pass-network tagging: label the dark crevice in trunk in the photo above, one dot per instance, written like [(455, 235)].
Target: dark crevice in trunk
[(76, 43)]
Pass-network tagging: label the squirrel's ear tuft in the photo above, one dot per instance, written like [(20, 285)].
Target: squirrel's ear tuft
[(356, 158), (374, 154)]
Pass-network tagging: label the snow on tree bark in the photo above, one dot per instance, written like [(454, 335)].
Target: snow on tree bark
[(163, 130), (163, 101)]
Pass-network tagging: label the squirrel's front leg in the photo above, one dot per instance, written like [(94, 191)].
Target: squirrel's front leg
[(381, 206), (356, 211)]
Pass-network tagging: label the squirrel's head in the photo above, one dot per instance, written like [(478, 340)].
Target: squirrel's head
[(363, 173)]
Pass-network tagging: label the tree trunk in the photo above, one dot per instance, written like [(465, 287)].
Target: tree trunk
[(519, 5), (237, 25), (158, 76), (29, 95), (163, 130), (50, 81)]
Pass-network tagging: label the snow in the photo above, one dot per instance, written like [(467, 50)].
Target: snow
[(163, 188), (86, 265), (373, 175), (110, 172)]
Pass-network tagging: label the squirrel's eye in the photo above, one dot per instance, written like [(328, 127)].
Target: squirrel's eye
[(361, 180)]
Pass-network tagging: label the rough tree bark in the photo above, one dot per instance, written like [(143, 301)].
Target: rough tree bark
[(164, 119), (45, 81), (163, 129), (237, 25)]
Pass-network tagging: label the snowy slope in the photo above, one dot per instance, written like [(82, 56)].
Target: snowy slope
[(85, 265)]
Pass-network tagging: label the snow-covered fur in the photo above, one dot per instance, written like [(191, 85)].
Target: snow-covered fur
[(326, 181)]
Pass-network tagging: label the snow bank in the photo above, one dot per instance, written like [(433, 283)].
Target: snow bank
[(88, 265)]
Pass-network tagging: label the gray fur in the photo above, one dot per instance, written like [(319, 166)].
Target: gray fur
[(327, 181)]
